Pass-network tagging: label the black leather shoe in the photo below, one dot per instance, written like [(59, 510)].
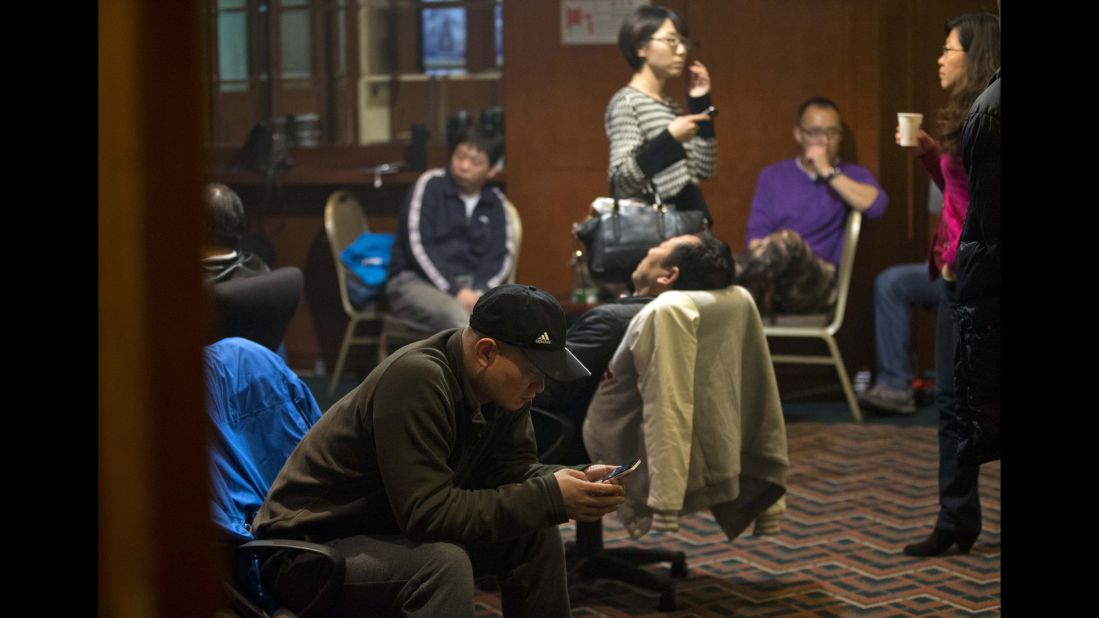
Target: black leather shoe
[(940, 541)]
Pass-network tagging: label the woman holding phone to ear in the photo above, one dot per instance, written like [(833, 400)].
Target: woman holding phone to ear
[(969, 57), (650, 138)]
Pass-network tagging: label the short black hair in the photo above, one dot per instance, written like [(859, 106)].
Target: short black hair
[(639, 27), (824, 102), (224, 215), (486, 140), (705, 265)]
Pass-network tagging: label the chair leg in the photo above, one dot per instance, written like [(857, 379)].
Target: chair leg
[(588, 557), (845, 381), (347, 335), (609, 566)]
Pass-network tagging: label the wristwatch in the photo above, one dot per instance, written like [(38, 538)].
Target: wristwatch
[(835, 172)]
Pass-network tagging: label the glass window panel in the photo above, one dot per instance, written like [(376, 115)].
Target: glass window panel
[(288, 3), (444, 39), (297, 43), (232, 46), (341, 39), (231, 4), (499, 34)]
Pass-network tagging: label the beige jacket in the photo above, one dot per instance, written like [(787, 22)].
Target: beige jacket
[(691, 391)]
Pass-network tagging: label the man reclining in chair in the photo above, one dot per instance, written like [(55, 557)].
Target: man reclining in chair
[(800, 206), (689, 262), (691, 392)]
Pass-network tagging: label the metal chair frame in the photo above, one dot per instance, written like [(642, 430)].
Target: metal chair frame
[(515, 223), (825, 329), (344, 221)]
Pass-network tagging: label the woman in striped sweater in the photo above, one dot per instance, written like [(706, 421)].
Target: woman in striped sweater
[(650, 138)]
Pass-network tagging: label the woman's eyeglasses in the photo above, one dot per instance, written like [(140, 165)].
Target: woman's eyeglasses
[(674, 42)]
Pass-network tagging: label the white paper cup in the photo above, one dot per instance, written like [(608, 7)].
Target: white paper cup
[(910, 128)]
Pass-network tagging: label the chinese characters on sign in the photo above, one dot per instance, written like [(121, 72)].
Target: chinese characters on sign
[(594, 22)]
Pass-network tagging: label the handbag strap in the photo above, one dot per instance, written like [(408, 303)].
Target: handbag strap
[(657, 202)]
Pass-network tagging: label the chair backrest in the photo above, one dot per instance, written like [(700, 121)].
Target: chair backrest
[(515, 230), (703, 332), (846, 267), (344, 221), (258, 308), (260, 411), (693, 388)]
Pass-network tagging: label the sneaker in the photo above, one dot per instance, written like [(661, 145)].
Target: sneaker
[(901, 401)]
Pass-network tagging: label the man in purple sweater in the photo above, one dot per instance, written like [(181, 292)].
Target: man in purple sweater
[(798, 215)]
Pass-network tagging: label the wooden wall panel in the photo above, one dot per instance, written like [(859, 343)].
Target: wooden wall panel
[(912, 35), (760, 79), (156, 543), (555, 97), (765, 57), (433, 101), (554, 100), (233, 113)]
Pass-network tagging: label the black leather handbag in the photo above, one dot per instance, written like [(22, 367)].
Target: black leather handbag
[(620, 232)]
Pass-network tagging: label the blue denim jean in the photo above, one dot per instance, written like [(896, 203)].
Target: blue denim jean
[(896, 290)]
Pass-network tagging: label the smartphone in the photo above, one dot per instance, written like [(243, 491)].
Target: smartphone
[(621, 471), (710, 111)]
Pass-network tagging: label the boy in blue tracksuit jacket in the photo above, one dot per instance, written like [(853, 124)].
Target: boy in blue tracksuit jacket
[(453, 239)]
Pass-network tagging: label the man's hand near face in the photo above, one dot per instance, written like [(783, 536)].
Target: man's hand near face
[(858, 195), (816, 156)]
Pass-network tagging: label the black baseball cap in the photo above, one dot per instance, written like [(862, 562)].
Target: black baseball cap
[(529, 318)]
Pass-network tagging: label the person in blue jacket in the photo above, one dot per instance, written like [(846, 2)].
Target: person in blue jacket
[(453, 239)]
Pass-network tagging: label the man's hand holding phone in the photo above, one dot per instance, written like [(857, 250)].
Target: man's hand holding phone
[(598, 490), (615, 475), (585, 498)]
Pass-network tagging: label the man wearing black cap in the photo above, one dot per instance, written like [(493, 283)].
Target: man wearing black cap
[(427, 472)]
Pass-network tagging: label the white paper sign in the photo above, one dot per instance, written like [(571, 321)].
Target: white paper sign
[(594, 22)]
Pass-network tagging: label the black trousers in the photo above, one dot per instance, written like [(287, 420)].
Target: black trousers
[(959, 501)]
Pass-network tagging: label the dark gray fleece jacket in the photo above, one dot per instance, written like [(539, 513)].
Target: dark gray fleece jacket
[(410, 452)]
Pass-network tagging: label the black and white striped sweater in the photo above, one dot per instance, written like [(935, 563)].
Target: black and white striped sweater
[(642, 148)]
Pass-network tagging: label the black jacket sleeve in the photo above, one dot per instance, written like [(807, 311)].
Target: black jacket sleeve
[(593, 339)]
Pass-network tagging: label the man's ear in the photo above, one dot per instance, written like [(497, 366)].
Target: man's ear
[(485, 351), (669, 279)]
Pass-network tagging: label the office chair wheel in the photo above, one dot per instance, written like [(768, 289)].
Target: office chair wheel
[(667, 601), (679, 568)]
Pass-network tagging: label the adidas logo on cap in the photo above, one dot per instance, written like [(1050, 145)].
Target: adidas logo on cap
[(544, 339)]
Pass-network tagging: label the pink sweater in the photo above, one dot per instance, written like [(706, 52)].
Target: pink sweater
[(949, 174)]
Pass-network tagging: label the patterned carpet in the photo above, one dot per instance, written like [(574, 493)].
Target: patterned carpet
[(857, 494)]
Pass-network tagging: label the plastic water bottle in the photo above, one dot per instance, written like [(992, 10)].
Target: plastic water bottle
[(862, 381)]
